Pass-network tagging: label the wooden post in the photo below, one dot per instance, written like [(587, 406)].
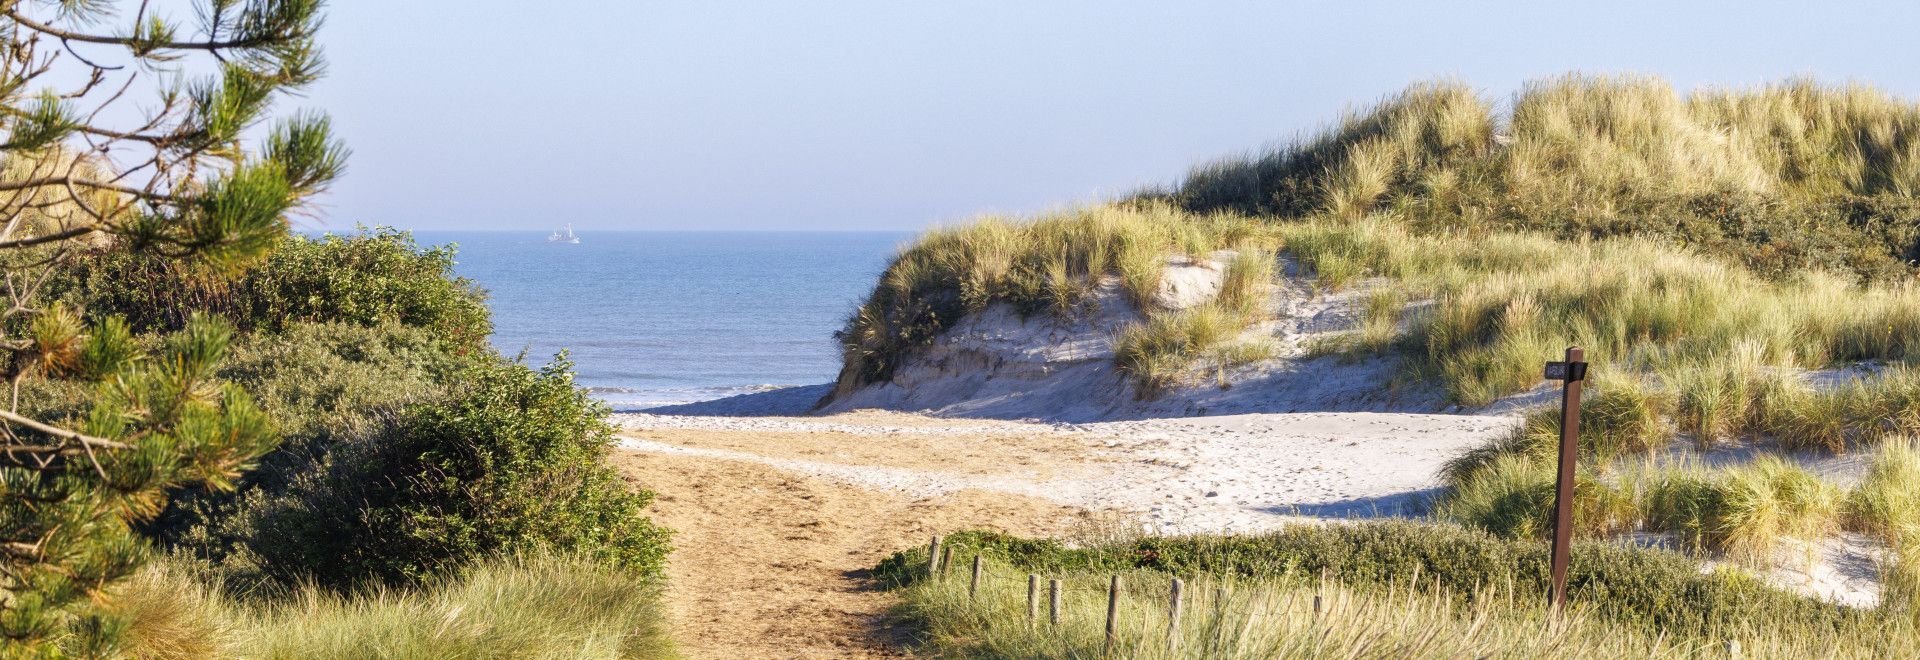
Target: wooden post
[(1316, 606), (1033, 598), (1575, 371), (1113, 614), (1173, 619), (946, 560), (973, 583), (933, 556), (1053, 602)]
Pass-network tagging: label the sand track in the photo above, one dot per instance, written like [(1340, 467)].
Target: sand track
[(779, 518), (769, 563)]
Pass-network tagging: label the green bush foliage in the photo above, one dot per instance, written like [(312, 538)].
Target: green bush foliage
[(374, 276), (512, 461), (323, 384)]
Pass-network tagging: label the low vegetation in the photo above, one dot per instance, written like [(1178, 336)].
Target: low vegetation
[(551, 607), (1055, 263), (372, 276), (1780, 178), (411, 458), (1383, 585), (1670, 233)]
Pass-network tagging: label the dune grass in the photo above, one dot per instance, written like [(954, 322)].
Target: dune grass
[(533, 608), (1555, 223), (1387, 589), (1054, 263), (1745, 512), (1721, 341), (1780, 177), (1227, 618)]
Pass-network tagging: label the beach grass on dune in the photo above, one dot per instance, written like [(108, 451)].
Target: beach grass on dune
[(1780, 177), (1387, 589), (1049, 264), (516, 608), (1665, 231)]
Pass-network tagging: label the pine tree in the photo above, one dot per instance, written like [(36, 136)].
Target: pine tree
[(124, 129)]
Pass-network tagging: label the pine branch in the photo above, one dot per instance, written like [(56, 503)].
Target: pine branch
[(68, 35), (57, 432), (55, 237)]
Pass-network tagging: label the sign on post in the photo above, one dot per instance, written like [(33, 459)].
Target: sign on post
[(1570, 373)]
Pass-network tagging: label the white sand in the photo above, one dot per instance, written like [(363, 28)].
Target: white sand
[(1235, 473)]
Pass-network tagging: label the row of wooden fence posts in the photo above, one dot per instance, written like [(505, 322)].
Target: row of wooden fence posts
[(940, 557)]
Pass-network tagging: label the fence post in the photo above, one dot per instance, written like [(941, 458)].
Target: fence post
[(1033, 599), (973, 583), (1113, 614), (946, 560), (1571, 373), (1053, 602), (933, 556), (1173, 619)]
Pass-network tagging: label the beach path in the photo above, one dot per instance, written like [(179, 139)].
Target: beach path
[(778, 519), (770, 563)]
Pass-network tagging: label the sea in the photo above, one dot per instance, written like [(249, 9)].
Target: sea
[(653, 318)]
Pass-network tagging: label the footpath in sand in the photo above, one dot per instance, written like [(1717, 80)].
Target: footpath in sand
[(779, 518)]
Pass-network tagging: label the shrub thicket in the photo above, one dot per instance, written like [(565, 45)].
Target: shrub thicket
[(512, 461), (323, 384), (370, 277)]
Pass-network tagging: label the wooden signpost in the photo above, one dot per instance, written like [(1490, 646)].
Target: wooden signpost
[(1570, 373)]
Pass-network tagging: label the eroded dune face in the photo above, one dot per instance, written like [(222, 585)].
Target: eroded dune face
[(1001, 364)]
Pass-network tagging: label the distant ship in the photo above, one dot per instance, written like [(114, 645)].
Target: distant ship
[(564, 236)]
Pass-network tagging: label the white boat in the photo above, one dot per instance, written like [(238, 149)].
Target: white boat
[(564, 236)]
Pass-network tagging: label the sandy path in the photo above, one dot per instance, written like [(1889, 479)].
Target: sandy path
[(1210, 474), (779, 517), (771, 564)]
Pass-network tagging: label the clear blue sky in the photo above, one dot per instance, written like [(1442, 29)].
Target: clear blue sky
[(487, 114)]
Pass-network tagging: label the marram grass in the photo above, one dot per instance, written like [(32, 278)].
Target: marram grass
[(533, 608), (1291, 616)]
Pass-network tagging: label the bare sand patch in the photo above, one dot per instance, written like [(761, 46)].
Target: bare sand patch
[(772, 564)]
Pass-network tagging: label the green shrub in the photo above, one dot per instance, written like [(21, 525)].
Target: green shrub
[(512, 461), (375, 276), (323, 384)]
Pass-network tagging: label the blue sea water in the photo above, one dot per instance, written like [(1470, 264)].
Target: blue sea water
[(656, 318)]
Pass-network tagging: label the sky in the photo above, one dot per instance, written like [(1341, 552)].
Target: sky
[(488, 114)]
